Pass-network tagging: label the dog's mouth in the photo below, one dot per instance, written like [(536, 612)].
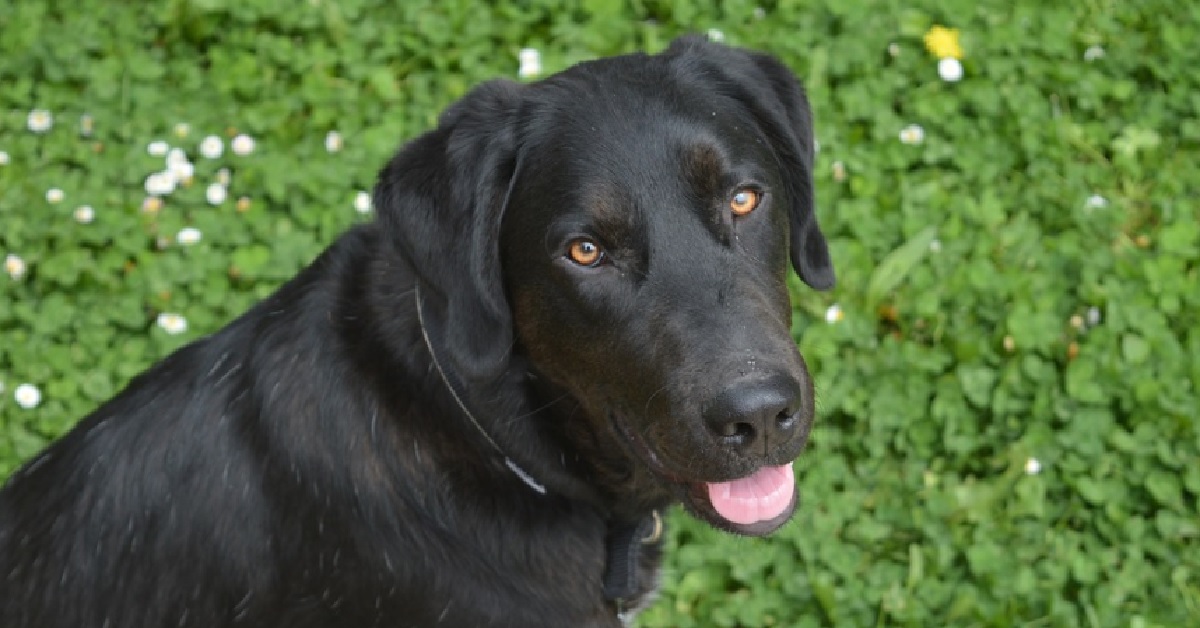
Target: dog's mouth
[(753, 505)]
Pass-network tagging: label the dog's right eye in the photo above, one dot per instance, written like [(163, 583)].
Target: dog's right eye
[(585, 252), (744, 201)]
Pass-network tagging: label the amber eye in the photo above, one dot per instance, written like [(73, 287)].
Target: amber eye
[(744, 202), (585, 252)]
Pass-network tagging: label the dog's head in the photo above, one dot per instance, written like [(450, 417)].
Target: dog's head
[(624, 229)]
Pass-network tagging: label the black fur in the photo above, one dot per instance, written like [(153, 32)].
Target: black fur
[(308, 465)]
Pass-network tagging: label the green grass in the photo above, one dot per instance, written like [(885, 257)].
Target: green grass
[(1020, 285)]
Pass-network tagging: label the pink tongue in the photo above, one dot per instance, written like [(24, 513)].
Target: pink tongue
[(760, 497)]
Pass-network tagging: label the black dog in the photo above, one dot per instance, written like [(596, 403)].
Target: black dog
[(570, 314)]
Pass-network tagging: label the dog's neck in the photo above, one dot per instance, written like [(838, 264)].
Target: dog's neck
[(459, 393), (624, 539)]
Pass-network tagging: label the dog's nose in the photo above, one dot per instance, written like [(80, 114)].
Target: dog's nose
[(756, 413)]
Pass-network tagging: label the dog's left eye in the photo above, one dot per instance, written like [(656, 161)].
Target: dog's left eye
[(744, 201), (585, 252)]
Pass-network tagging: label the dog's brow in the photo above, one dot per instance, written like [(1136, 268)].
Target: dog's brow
[(607, 207), (704, 166), (611, 211)]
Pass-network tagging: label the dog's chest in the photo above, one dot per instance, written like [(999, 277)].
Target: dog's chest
[(544, 577)]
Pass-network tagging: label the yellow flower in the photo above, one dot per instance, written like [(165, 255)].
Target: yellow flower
[(943, 42)]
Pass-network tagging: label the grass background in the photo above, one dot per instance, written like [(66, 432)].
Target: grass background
[(991, 314)]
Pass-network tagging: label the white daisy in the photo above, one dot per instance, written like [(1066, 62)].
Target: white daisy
[(39, 120), (834, 314), (716, 35), (1096, 201), (27, 396), (158, 148), (173, 324), (84, 214), (1033, 466), (242, 145), (179, 166), (54, 195), (160, 183), (912, 134), (4, 158), (216, 194), (531, 63), (950, 69), (15, 266), (212, 146), (362, 202), (1093, 53), (182, 171), (188, 236), (333, 141)]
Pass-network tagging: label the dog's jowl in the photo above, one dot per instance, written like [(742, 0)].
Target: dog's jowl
[(570, 314)]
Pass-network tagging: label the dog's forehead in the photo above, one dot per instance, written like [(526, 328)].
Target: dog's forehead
[(636, 108), (679, 172), (621, 145), (624, 135)]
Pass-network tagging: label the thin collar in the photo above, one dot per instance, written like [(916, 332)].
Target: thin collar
[(455, 387), (624, 541)]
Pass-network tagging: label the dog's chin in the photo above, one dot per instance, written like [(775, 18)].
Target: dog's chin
[(769, 493)]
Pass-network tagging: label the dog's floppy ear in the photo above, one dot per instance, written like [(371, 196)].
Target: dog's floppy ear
[(777, 101), (440, 201)]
